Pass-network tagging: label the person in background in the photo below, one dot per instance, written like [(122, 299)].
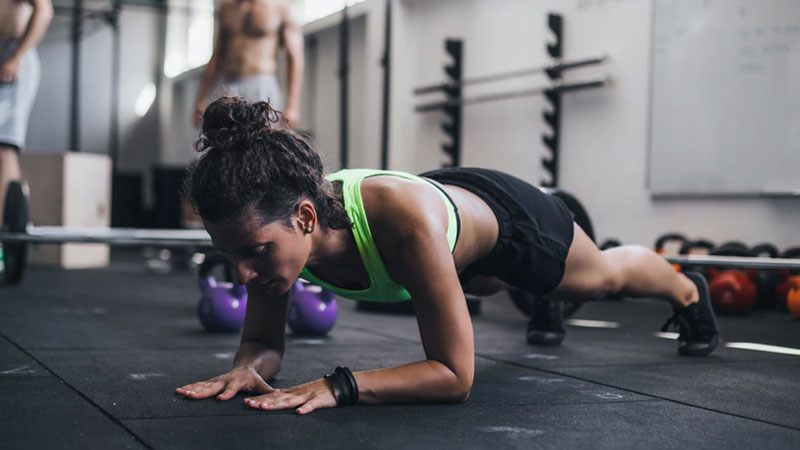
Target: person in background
[(23, 23), (244, 62)]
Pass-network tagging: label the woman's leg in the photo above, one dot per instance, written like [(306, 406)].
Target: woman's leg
[(632, 271), (639, 272)]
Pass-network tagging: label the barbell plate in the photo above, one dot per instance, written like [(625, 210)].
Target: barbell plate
[(734, 262), (126, 237)]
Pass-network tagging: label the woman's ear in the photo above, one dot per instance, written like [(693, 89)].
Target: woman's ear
[(306, 216)]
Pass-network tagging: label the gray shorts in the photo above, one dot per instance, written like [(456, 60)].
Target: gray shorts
[(255, 88), (16, 99)]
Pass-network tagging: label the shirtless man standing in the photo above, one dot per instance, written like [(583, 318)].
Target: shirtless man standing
[(22, 25), (244, 62)]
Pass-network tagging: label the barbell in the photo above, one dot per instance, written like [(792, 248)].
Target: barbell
[(558, 86), (120, 237), (14, 255), (135, 237), (554, 69), (735, 262)]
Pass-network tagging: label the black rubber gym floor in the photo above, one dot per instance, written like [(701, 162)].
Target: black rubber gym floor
[(89, 359)]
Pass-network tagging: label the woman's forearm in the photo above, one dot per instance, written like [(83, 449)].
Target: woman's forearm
[(424, 381), (265, 360)]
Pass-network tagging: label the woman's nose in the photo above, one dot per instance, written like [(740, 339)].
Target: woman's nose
[(244, 272)]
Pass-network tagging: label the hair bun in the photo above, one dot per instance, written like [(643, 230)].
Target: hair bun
[(231, 121)]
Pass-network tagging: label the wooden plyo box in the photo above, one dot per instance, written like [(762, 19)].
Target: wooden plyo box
[(71, 190)]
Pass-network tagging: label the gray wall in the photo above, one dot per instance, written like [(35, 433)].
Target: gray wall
[(141, 55), (322, 95)]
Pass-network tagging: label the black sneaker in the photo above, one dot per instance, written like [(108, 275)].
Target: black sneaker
[(546, 326), (699, 332)]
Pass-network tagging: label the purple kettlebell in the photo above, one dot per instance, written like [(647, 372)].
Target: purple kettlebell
[(312, 310), (222, 304)]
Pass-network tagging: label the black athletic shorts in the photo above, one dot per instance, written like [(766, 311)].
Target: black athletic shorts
[(536, 229)]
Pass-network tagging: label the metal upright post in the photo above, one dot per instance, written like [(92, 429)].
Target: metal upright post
[(553, 117), (77, 34), (344, 77), (387, 69)]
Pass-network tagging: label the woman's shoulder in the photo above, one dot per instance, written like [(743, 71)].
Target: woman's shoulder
[(401, 204)]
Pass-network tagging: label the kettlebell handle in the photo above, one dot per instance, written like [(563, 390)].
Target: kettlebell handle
[(326, 296), (238, 290), (207, 283), (206, 279)]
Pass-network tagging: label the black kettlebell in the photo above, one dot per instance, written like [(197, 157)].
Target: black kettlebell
[(690, 247), (766, 280), (732, 248), (610, 243), (664, 239)]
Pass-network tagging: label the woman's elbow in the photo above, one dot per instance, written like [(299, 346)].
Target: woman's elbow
[(461, 389)]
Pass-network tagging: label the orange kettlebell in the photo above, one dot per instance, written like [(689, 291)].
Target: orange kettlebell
[(787, 279)]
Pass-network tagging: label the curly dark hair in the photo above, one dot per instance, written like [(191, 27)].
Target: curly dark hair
[(251, 163)]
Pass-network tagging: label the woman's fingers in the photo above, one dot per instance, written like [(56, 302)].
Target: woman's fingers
[(226, 386), (274, 401), (308, 406), (203, 389), (230, 390), (303, 398)]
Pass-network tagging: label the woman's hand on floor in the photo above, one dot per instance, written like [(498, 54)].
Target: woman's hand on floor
[(227, 385), (304, 398)]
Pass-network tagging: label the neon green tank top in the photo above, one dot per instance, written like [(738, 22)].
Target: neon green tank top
[(382, 288)]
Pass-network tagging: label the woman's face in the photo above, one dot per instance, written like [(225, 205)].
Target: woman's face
[(270, 257)]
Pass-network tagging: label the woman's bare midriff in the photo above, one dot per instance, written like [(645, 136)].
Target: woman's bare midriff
[(479, 227)]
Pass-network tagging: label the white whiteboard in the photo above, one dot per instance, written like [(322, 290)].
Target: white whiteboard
[(725, 115)]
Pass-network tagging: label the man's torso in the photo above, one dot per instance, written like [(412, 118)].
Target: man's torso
[(252, 34), (14, 17)]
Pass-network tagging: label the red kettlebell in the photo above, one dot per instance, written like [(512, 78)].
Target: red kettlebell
[(732, 291), (793, 297)]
